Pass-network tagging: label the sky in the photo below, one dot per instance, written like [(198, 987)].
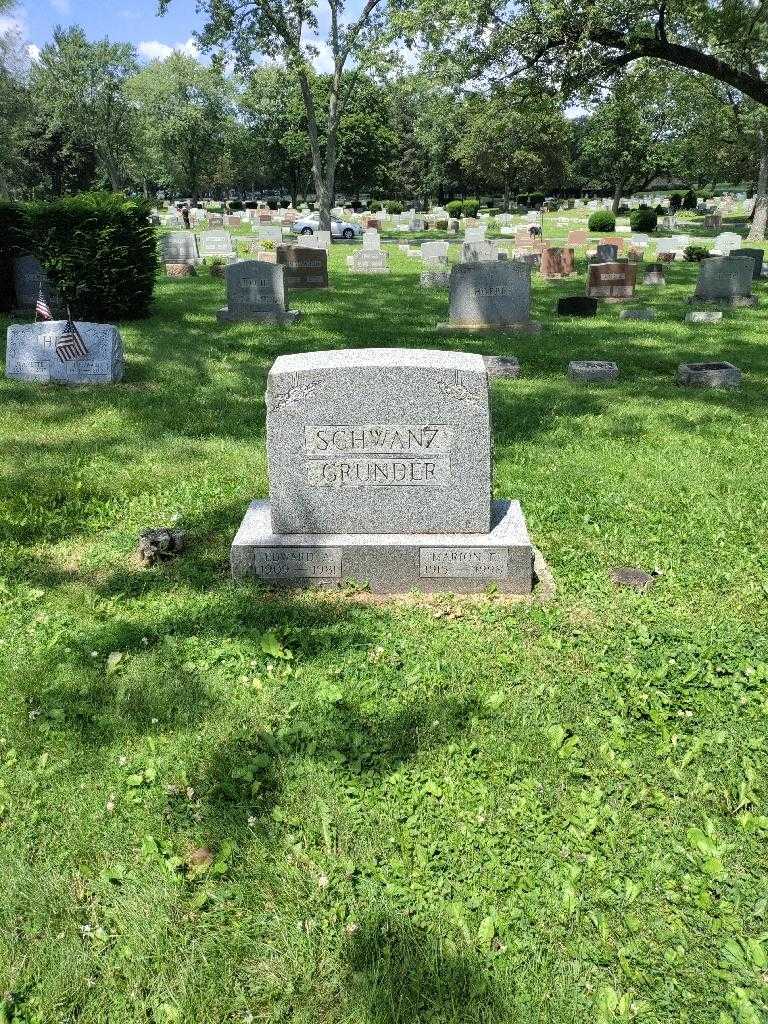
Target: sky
[(131, 21)]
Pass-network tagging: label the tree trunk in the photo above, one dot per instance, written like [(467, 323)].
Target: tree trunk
[(323, 187), (760, 215), (617, 197)]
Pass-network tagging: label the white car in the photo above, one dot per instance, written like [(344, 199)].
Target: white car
[(339, 228)]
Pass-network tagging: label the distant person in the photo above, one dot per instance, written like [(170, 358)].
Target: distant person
[(533, 231), (185, 217)]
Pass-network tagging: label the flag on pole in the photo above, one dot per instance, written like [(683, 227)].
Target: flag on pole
[(42, 309), (70, 344)]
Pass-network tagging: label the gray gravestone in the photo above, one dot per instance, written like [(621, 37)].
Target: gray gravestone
[(725, 280), (390, 425), (502, 366), (479, 252), (644, 313), (752, 254), (255, 291), (29, 277), (704, 316), (654, 274), (592, 371), (607, 253), (435, 252), (708, 375), (179, 247), (380, 471), (490, 297), (215, 243), (368, 261), (31, 354)]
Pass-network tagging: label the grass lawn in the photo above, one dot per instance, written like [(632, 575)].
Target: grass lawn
[(217, 805)]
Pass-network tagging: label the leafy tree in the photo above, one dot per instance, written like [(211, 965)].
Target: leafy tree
[(184, 113), (574, 43), (14, 104), (278, 29), (513, 140), (80, 86)]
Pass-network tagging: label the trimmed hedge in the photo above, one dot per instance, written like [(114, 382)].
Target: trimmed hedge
[(13, 234), (454, 208), (695, 253), (602, 220), (99, 251), (470, 207), (393, 207), (643, 220)]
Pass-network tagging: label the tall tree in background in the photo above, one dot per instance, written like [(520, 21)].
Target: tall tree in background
[(14, 102), (80, 86), (278, 29), (184, 112), (513, 139)]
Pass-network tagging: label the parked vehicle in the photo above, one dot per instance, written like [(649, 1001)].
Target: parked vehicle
[(339, 228)]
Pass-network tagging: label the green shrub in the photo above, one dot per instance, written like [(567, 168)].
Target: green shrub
[(236, 204), (285, 203), (675, 200), (689, 200), (272, 204), (522, 199), (470, 207), (535, 198), (454, 208), (695, 253), (602, 220), (393, 207), (643, 219), (13, 234), (375, 207), (99, 251), (660, 209), (492, 211)]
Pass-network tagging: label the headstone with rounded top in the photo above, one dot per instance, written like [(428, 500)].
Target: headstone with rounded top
[(256, 291)]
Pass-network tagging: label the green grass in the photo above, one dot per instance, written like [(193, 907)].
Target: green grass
[(417, 812)]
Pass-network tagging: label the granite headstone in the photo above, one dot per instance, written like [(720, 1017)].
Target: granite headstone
[(256, 291), (31, 354)]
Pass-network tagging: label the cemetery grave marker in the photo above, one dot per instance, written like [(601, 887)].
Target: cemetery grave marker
[(180, 247), (613, 282), (591, 371), (752, 254), (31, 354), (256, 291), (487, 297), (216, 243), (708, 375), (303, 268), (364, 442), (29, 280), (371, 261), (725, 280)]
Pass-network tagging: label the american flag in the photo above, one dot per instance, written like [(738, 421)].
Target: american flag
[(70, 344), (42, 309)]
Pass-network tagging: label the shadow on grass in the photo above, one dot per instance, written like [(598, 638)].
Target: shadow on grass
[(399, 974)]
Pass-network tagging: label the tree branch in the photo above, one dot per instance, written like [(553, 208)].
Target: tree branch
[(682, 56)]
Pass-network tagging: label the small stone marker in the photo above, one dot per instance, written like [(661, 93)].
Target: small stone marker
[(31, 354), (577, 238), (488, 297), (180, 270), (303, 268), (576, 305), (752, 254), (502, 366), (315, 240), (708, 375), (590, 371), (726, 241), (644, 313), (371, 241), (557, 263), (654, 274), (372, 261), (435, 252), (380, 471), (180, 247), (725, 280), (215, 243), (613, 282), (704, 316), (256, 291)]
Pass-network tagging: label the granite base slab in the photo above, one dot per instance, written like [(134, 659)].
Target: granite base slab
[(389, 563), (529, 327), (733, 301), (290, 316)]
